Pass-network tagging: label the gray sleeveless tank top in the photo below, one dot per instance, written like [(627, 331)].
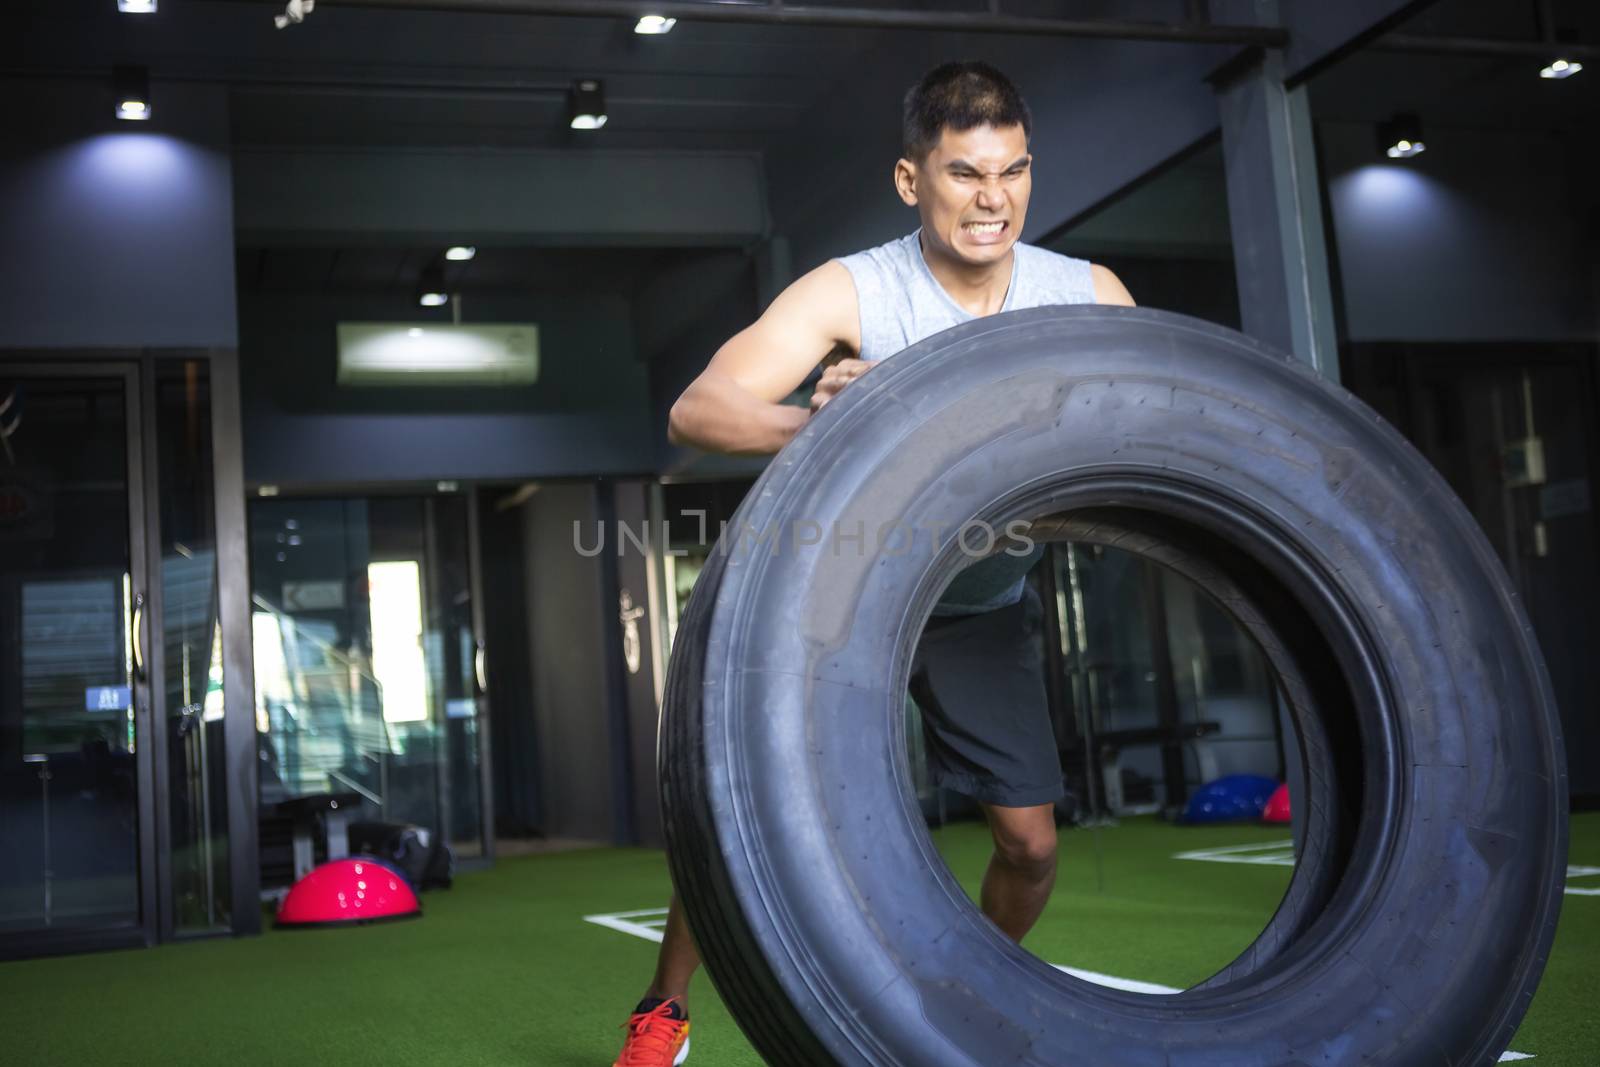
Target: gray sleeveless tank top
[(903, 303)]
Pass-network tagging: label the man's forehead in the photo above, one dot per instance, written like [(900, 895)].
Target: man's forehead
[(998, 145)]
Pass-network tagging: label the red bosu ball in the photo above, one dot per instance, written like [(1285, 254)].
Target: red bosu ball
[(1277, 809), (348, 891)]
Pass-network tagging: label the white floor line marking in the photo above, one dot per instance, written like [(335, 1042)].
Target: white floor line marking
[(1582, 872), (623, 922), (629, 922), (659, 913), (1269, 853), (1281, 854)]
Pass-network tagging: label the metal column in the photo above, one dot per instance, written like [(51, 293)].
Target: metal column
[(238, 653), (1280, 250)]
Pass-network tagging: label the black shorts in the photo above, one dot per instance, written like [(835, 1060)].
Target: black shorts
[(979, 681)]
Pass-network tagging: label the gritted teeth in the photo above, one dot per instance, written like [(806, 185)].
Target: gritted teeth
[(984, 227)]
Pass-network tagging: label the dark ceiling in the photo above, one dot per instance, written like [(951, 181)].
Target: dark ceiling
[(1485, 92), (391, 270), (368, 76), (414, 78)]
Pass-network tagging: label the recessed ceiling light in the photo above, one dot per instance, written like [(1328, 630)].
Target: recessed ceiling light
[(431, 288), (136, 7), (460, 253), (1561, 68), (1401, 137), (653, 25), (132, 86), (586, 104)]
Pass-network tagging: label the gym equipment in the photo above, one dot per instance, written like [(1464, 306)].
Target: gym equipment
[(1420, 914), (423, 857), (332, 812), (1277, 810), (1233, 798), (346, 892)]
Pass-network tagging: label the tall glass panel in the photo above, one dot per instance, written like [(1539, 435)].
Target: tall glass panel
[(69, 826), (452, 662), (1171, 691), (365, 659), (192, 648)]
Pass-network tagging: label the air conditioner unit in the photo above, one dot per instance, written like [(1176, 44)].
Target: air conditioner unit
[(429, 353)]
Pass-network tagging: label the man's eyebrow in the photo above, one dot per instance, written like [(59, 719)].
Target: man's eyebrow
[(961, 164)]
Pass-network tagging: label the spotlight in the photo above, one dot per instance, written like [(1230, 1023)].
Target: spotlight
[(137, 7), (133, 93), (586, 104), (430, 287), (1561, 68), (1401, 137), (460, 253), (654, 24)]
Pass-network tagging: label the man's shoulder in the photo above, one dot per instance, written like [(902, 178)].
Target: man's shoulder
[(878, 254), (1055, 278), (1046, 257)]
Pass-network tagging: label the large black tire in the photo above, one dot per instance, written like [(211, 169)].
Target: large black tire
[(1419, 920)]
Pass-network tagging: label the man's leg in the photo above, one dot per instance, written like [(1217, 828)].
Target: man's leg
[(1023, 869), (658, 1029), (677, 960)]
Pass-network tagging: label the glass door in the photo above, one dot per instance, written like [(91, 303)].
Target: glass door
[(75, 765), (367, 664), (186, 658)]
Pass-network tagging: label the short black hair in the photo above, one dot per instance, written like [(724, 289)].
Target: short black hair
[(960, 96)]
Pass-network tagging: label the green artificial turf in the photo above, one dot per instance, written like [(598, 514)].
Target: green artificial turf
[(502, 970)]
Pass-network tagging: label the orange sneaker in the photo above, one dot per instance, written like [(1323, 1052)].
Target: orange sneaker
[(658, 1037)]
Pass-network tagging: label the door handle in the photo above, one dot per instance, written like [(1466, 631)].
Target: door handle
[(138, 636), (480, 667)]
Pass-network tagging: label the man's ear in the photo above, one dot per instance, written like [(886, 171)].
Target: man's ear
[(905, 181)]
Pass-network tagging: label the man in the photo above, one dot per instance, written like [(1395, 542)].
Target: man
[(967, 171)]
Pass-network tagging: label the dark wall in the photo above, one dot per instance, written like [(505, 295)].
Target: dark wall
[(1464, 405), (498, 196), (1489, 235), (683, 315), (115, 233), (568, 606), (588, 413)]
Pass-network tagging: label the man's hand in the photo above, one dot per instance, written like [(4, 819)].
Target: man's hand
[(835, 378)]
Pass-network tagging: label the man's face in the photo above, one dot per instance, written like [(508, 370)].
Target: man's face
[(971, 191)]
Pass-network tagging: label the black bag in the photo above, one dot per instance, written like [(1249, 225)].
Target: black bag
[(414, 851)]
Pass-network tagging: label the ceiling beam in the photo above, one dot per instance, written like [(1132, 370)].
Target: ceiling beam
[(777, 13), (1427, 44)]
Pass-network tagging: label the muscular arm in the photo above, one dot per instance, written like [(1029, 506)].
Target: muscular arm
[(1108, 288), (735, 405)]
